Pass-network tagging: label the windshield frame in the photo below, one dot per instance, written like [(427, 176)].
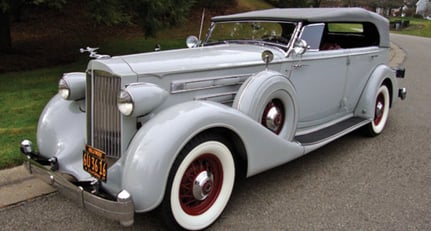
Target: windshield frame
[(284, 46)]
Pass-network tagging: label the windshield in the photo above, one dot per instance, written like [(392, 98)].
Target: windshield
[(275, 33)]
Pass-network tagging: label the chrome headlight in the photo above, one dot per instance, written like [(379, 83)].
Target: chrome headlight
[(125, 103), (63, 89), (140, 99), (72, 86)]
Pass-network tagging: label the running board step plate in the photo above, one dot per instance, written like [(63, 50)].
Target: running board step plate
[(326, 133)]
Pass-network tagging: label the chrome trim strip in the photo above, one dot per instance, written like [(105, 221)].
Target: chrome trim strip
[(89, 106), (206, 83), (224, 98)]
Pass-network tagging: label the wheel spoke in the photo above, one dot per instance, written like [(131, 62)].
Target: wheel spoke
[(209, 168)]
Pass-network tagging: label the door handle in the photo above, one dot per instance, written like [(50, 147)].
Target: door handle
[(297, 66)]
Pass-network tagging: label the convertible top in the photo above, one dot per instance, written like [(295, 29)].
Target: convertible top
[(314, 15)]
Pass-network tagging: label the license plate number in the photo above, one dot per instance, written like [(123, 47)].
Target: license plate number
[(94, 162)]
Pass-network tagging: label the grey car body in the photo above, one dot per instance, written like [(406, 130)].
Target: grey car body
[(267, 99)]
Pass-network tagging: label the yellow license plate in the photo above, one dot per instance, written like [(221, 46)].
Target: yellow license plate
[(94, 162)]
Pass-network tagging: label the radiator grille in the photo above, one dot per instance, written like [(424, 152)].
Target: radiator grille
[(105, 124)]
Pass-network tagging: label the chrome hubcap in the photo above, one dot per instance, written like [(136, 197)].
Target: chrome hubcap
[(380, 108), (273, 119), (273, 116), (202, 185)]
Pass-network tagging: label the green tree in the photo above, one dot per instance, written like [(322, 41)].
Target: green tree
[(375, 3), (316, 3), (149, 14), (289, 3), (153, 15), (217, 5), (12, 9), (5, 38)]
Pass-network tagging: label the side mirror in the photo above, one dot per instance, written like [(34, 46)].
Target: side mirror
[(300, 47), (192, 41)]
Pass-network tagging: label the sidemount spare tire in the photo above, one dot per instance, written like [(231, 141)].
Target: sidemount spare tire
[(269, 98)]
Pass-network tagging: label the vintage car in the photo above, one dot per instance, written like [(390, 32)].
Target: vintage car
[(174, 129)]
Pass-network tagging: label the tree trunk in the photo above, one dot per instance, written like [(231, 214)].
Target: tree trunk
[(316, 3), (5, 36)]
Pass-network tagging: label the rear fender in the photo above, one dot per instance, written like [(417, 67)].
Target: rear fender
[(366, 104)]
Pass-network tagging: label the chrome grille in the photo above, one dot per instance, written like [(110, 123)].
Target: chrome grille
[(105, 125)]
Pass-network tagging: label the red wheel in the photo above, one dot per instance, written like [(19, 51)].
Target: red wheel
[(381, 112), (200, 183), (379, 109)]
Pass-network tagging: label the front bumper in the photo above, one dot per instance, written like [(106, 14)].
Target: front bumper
[(121, 209)]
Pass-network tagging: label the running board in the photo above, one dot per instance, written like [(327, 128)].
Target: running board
[(332, 132)]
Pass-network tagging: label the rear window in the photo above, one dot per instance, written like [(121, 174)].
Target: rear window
[(345, 28)]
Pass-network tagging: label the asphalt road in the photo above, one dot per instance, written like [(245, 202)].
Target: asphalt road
[(354, 183)]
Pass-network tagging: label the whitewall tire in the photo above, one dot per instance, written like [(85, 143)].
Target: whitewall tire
[(200, 183), (381, 112)]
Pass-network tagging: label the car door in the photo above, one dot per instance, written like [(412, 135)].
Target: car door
[(362, 62), (364, 56), (319, 78)]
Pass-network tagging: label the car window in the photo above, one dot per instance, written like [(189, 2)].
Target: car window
[(345, 28), (349, 35), (312, 34)]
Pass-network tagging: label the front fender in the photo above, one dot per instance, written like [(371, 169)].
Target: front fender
[(366, 104), (153, 150), (61, 133)]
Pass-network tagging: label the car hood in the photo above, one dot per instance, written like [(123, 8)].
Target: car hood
[(201, 58)]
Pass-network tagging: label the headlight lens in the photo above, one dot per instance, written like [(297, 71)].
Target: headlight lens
[(139, 99), (125, 103), (72, 86), (63, 89)]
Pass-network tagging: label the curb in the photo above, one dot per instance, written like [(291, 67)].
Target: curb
[(397, 56), (18, 185)]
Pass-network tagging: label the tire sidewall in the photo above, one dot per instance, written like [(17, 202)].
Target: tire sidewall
[(378, 128)]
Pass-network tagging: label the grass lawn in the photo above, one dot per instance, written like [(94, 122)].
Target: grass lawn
[(417, 27), (22, 98)]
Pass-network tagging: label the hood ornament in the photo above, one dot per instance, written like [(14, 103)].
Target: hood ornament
[(93, 53)]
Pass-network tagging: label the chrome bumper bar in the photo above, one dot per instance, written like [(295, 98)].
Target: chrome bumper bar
[(121, 210)]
